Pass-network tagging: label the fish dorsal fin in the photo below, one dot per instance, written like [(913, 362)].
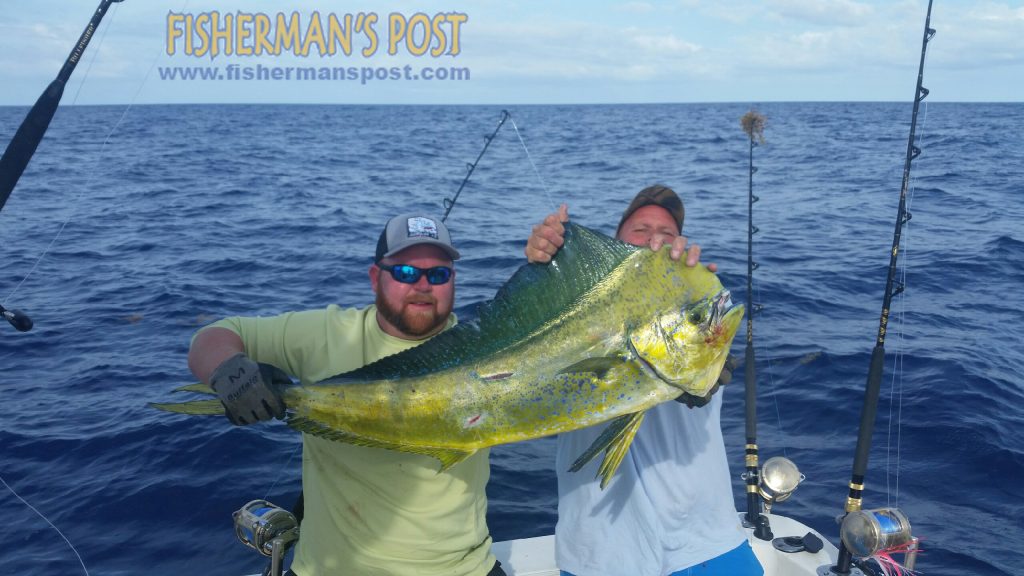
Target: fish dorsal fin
[(447, 456), (614, 442), (534, 295)]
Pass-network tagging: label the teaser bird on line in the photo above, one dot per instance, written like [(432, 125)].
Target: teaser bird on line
[(603, 333)]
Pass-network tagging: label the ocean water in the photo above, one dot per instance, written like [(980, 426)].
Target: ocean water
[(172, 216)]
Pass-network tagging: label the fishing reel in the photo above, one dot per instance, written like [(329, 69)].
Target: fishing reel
[(268, 529), (776, 482), (879, 533), (779, 479)]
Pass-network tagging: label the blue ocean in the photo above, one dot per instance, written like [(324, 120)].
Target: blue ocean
[(135, 226)]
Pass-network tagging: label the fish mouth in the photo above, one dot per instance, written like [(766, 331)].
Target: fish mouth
[(727, 314), (721, 306)]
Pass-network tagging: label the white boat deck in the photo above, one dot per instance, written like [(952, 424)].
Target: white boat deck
[(536, 556), (527, 557)]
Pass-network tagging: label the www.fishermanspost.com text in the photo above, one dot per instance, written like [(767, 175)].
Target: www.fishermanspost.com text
[(361, 74)]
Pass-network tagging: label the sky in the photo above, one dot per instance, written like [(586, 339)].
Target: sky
[(517, 51)]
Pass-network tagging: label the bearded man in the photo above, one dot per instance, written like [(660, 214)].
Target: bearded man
[(367, 511)]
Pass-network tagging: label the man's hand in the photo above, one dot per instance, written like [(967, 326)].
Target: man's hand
[(249, 390), (547, 237), (679, 248)]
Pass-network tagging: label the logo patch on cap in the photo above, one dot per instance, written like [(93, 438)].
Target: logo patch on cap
[(420, 227)]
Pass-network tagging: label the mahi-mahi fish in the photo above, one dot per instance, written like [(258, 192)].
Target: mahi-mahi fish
[(603, 332)]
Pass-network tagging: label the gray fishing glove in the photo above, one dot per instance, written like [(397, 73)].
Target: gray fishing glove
[(249, 390)]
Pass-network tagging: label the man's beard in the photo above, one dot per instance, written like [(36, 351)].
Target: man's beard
[(416, 323)]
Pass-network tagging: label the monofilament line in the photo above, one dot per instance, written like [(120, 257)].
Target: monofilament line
[(280, 473), (534, 166), (47, 520), (92, 174), (896, 386)]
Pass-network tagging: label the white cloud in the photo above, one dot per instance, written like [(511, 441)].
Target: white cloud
[(999, 14), (517, 47), (824, 12), (664, 45), (979, 37), (582, 50)]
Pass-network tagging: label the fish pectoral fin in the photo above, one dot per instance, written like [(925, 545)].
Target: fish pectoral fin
[(618, 448), (447, 456), (194, 408), (197, 388), (598, 365), (614, 442)]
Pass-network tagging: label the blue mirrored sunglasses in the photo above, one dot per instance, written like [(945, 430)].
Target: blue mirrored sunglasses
[(407, 274)]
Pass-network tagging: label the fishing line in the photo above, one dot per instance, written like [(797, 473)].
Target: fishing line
[(47, 520), (535, 171), (280, 474), (897, 385), (74, 207), (95, 169), (36, 265), (449, 203), (96, 52), (771, 380), (74, 100)]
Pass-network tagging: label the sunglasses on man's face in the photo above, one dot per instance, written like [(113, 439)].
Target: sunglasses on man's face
[(407, 274)]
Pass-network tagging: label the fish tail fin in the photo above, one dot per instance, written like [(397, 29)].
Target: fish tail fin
[(193, 408), (614, 442), (197, 388)]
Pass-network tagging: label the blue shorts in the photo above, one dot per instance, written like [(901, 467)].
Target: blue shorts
[(740, 561)]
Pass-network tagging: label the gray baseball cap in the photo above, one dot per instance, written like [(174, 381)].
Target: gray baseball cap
[(407, 230), (657, 195)]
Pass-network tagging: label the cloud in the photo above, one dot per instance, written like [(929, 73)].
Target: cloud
[(822, 12), (666, 45), (980, 36), (581, 50), (523, 50)]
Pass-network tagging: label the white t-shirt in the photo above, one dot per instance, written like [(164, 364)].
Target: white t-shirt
[(668, 507)]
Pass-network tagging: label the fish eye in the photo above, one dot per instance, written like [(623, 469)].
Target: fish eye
[(696, 316)]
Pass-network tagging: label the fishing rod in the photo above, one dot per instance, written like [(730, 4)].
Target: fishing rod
[(753, 125), (779, 477), (882, 527), (21, 148), (449, 203)]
